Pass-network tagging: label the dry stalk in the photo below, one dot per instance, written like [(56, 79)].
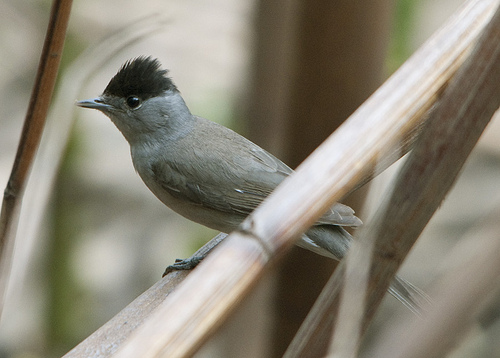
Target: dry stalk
[(466, 24), (459, 298), (31, 133), (452, 131), (450, 134)]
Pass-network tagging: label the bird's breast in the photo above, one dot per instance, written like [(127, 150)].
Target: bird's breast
[(193, 211)]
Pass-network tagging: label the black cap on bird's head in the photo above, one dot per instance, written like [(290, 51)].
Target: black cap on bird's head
[(140, 98), (142, 77)]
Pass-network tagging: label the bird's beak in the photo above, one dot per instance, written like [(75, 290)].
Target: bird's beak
[(95, 103)]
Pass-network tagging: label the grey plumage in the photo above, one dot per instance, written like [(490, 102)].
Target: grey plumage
[(202, 170)]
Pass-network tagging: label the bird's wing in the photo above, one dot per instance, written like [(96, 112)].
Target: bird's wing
[(236, 185), (338, 214), (341, 215)]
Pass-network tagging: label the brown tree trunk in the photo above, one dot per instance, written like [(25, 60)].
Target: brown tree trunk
[(315, 63)]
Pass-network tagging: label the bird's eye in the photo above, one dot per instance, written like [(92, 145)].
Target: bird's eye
[(133, 102)]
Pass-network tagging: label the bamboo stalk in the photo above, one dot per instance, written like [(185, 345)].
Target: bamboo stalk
[(106, 340), (459, 297), (32, 131), (467, 17), (451, 132)]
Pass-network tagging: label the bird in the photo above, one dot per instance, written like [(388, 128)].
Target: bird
[(204, 171)]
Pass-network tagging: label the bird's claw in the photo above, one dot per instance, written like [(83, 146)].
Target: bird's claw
[(183, 264)]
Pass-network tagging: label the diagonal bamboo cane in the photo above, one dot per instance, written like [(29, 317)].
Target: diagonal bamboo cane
[(31, 133), (450, 134)]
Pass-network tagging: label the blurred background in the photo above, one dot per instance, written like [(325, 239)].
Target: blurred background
[(283, 73)]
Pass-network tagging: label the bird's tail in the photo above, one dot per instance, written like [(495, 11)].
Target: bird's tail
[(333, 242), (408, 294)]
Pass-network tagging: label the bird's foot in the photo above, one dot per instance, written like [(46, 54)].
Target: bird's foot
[(183, 264)]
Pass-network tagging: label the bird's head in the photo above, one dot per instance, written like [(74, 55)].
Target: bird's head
[(141, 100)]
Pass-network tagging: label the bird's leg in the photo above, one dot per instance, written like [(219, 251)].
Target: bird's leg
[(191, 262)]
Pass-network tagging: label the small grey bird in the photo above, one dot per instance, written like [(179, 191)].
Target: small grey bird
[(205, 171)]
